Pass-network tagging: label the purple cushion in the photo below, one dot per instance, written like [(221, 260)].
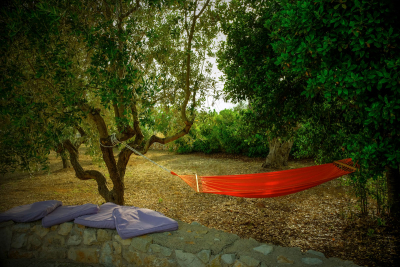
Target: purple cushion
[(30, 212), (103, 219), (68, 213), (132, 221)]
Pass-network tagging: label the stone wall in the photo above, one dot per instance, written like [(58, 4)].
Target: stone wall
[(192, 245)]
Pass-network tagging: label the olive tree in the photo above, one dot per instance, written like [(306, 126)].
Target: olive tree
[(98, 67)]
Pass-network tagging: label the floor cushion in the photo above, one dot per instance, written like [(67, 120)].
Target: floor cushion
[(102, 219), (30, 212), (133, 221), (68, 213)]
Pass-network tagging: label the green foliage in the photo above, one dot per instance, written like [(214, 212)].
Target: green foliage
[(34, 121), (350, 57), (227, 132), (313, 141), (348, 53), (248, 62), (331, 67), (66, 60), (369, 190)]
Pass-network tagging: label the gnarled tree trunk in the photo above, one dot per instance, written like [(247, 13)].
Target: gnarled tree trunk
[(278, 153), (393, 185)]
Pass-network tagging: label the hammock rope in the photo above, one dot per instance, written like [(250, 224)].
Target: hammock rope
[(260, 185), (115, 142)]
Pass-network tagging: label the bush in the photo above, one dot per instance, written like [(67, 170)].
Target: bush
[(226, 132)]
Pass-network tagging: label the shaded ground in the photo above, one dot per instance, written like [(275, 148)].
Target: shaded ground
[(323, 218)]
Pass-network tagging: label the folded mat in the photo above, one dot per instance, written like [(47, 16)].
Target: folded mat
[(132, 221), (30, 212), (68, 213), (103, 218)]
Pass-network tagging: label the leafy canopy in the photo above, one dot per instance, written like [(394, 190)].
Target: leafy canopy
[(100, 66), (349, 53)]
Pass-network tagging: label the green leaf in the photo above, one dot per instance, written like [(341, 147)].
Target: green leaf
[(337, 6), (344, 6)]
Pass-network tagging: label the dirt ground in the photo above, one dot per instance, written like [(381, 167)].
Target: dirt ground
[(324, 218)]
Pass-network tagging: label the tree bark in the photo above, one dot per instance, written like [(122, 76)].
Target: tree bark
[(116, 178), (125, 153), (65, 162), (278, 153), (63, 154), (108, 195), (393, 185), (81, 139)]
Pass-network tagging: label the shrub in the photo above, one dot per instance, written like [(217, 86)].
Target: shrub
[(226, 132)]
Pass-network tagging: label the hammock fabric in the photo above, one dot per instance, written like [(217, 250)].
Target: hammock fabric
[(269, 184)]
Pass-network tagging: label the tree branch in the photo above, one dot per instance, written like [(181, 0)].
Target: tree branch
[(33, 69), (119, 113), (94, 114), (87, 175), (166, 140), (204, 7), (187, 80), (81, 139), (44, 80), (186, 24), (105, 138), (108, 10), (188, 70), (116, 110), (126, 153), (136, 125)]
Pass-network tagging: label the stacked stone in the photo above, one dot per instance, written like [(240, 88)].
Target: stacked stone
[(192, 245)]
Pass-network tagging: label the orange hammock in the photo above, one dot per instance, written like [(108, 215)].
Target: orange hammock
[(269, 184)]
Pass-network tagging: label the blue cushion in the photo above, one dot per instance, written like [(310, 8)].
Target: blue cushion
[(68, 213), (103, 218), (133, 221), (30, 212)]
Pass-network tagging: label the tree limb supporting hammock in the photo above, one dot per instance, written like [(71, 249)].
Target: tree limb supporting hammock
[(263, 185)]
